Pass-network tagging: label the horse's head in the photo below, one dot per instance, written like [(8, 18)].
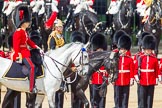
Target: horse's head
[(111, 65), (80, 59), (127, 8)]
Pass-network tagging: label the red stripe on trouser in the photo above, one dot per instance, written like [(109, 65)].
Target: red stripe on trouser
[(51, 20), (31, 74)]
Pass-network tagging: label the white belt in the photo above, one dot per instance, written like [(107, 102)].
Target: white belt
[(147, 70), (101, 70), (124, 71)]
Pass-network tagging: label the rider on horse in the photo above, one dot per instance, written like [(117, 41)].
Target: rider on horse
[(56, 38), (36, 4), (114, 6), (8, 6), (21, 41), (82, 4), (50, 21)]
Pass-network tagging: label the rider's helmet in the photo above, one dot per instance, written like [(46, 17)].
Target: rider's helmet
[(22, 15), (58, 23), (77, 36), (148, 2), (149, 42), (124, 42), (98, 40)]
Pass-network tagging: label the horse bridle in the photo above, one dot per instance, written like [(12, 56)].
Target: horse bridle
[(68, 67)]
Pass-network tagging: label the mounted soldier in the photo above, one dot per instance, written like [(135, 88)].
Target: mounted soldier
[(21, 41)]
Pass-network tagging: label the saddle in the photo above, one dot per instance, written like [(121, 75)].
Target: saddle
[(18, 71)]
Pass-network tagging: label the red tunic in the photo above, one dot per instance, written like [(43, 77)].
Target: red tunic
[(126, 71), (2, 54), (20, 42), (97, 77), (149, 70)]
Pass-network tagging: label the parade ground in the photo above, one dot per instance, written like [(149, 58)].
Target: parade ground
[(109, 98)]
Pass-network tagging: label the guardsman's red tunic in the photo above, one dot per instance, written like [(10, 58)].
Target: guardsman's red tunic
[(21, 41)]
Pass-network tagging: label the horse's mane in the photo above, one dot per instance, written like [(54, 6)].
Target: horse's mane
[(64, 49)]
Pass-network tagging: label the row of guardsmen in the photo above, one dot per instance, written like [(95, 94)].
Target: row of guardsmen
[(143, 68)]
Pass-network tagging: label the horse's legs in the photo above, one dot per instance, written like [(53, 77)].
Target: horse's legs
[(30, 100), (75, 101), (10, 98), (51, 98), (81, 95), (39, 100)]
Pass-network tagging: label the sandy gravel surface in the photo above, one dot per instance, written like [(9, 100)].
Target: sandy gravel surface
[(109, 101)]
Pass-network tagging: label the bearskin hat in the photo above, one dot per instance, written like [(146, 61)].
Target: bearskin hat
[(77, 36), (117, 35), (124, 42), (149, 42), (36, 38), (98, 40), (143, 34), (22, 15)]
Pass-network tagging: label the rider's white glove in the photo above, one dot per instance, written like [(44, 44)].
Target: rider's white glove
[(32, 4), (89, 3), (40, 50), (74, 2)]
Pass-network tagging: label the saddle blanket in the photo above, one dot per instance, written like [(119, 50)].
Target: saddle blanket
[(17, 71)]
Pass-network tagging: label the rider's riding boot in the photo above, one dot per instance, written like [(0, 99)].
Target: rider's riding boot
[(51, 20)]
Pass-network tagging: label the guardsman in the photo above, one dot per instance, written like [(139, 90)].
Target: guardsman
[(9, 6), (99, 78), (146, 72), (126, 75), (21, 41), (116, 37), (82, 4), (50, 21), (139, 53)]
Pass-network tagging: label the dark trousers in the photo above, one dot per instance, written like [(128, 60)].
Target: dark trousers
[(121, 96), (59, 99), (115, 101), (146, 96), (90, 92), (138, 94), (29, 64), (97, 101), (12, 99)]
